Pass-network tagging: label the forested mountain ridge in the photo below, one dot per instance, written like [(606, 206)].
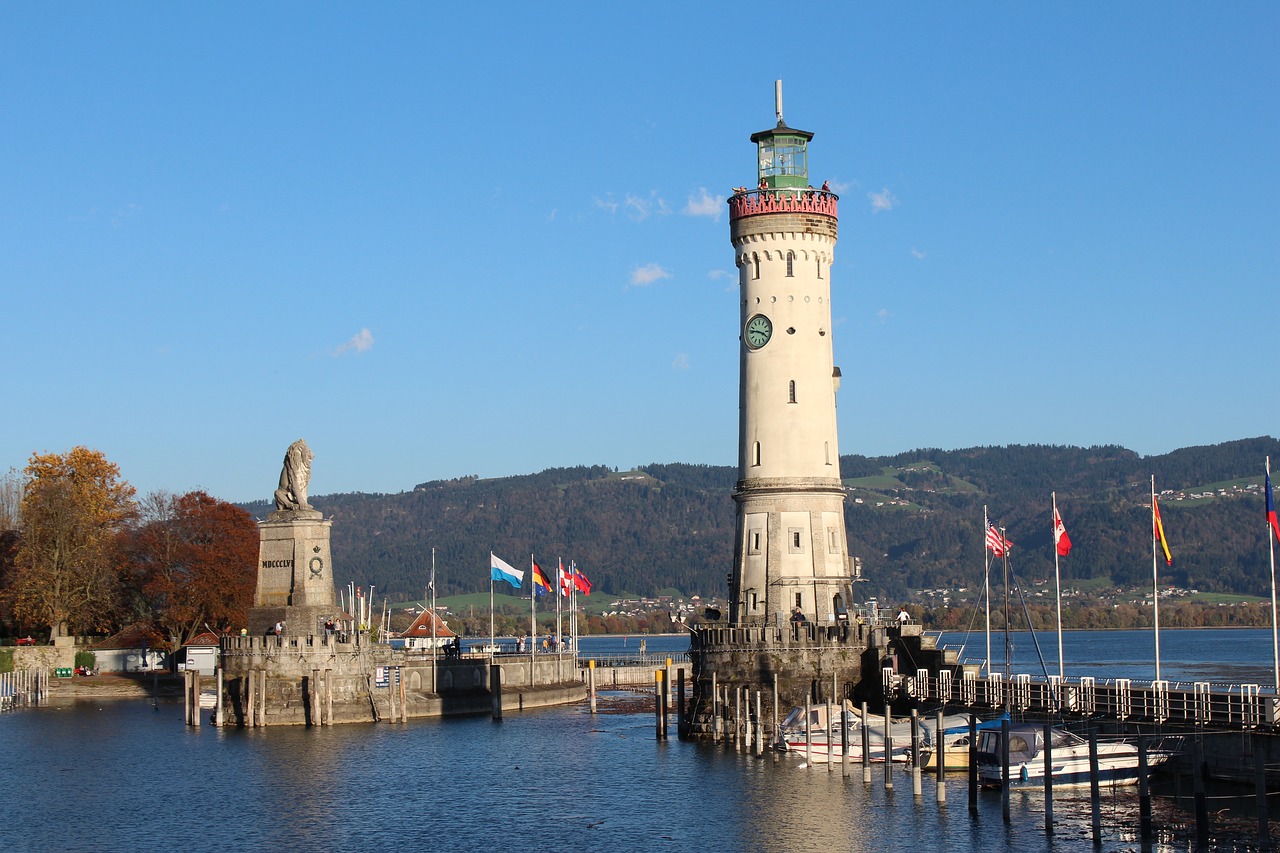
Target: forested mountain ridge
[(914, 518)]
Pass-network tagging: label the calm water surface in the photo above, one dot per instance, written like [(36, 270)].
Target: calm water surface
[(123, 775)]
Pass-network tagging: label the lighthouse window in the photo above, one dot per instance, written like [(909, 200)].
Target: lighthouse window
[(755, 265), (791, 259), (753, 542), (819, 267), (795, 535), (792, 391), (755, 453), (832, 544)]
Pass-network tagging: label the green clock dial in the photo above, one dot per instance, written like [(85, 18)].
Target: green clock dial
[(759, 330)]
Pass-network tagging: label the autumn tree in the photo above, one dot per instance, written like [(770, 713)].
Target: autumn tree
[(74, 505), (192, 560)]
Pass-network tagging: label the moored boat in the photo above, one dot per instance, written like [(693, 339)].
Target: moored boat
[(821, 738), (1117, 760)]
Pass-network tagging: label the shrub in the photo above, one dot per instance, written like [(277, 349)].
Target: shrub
[(85, 659)]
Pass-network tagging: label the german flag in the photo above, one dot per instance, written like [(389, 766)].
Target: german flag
[(540, 583)]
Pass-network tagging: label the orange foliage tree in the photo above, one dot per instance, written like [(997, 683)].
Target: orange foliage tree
[(193, 559), (74, 505)]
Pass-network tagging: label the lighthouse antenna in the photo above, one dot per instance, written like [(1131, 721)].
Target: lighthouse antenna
[(777, 99)]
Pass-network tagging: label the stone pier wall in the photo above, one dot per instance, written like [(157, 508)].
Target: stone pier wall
[(344, 677)]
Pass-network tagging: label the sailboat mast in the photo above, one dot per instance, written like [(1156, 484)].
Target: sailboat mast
[(1007, 645), (1057, 580), (1155, 573), (1271, 543)]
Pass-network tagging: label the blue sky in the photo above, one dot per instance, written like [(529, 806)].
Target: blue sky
[(438, 241)]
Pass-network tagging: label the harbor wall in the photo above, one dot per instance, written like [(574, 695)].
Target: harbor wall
[(324, 680)]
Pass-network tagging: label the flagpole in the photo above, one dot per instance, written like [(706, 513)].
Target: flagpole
[(1007, 662), (434, 640), (986, 582), (1155, 574), (1057, 581), (1271, 543), (533, 596), (559, 591), (491, 632)]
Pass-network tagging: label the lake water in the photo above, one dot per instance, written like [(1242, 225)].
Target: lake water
[(124, 775)]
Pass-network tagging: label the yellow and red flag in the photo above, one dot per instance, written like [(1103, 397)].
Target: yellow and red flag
[(1159, 530)]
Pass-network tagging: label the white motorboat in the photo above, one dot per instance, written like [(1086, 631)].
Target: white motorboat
[(820, 738), (1117, 760)]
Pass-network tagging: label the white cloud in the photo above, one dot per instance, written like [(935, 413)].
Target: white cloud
[(916, 253), (704, 204), (648, 274), (361, 341), (639, 208), (882, 316), (681, 362), (883, 200), (607, 204)]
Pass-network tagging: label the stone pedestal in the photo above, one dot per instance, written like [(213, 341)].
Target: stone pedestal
[(295, 574)]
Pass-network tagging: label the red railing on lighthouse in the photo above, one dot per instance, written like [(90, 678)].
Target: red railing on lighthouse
[(746, 202)]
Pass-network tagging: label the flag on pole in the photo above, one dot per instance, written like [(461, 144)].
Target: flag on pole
[(540, 583), (1159, 531), (1271, 509), (1060, 538), (580, 581), (566, 582), (996, 542), (504, 571)]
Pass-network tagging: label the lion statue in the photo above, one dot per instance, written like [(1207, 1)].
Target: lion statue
[(294, 477)]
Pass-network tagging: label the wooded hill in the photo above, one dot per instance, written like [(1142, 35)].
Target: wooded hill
[(915, 519)]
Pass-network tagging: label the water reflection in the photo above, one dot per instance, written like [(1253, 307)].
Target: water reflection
[(122, 776)]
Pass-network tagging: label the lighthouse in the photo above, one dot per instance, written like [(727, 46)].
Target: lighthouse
[(791, 555)]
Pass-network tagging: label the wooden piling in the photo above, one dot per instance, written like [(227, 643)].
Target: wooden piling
[(195, 699), (217, 708), (757, 747), (1202, 806), (313, 699), (682, 722), (404, 704), (591, 684), (1145, 827), (866, 746), (831, 752), (1260, 792), (844, 742), (1004, 769), (495, 689), (1048, 778), (657, 704), (941, 752), (1095, 792), (186, 697), (328, 697), (973, 764), (808, 734), (916, 790), (888, 748)]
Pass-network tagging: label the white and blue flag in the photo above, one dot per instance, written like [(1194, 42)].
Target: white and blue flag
[(503, 571)]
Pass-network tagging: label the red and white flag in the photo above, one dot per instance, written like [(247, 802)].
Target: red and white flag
[(996, 542), (1060, 538)]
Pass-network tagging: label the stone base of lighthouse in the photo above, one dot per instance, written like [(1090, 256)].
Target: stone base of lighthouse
[(861, 661)]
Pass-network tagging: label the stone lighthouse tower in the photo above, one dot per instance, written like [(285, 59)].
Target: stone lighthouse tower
[(791, 550)]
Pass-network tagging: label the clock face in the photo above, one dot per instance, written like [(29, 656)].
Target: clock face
[(758, 332)]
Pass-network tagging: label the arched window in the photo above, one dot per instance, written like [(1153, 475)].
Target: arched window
[(755, 453), (755, 265), (819, 267), (791, 259), (791, 392)]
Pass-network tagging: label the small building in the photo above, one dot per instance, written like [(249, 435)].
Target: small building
[(201, 654), (137, 648), (420, 634)]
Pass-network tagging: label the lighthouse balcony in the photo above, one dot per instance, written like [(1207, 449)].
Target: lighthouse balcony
[(755, 202)]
